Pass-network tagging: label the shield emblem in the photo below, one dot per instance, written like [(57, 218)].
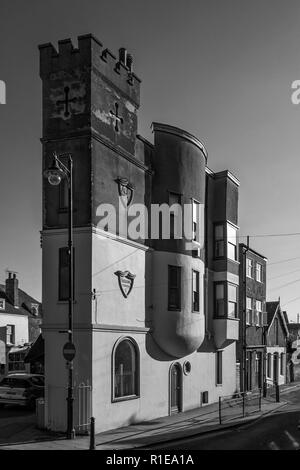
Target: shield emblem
[(125, 191), (126, 281)]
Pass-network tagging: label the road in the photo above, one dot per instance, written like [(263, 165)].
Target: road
[(277, 431), (17, 424)]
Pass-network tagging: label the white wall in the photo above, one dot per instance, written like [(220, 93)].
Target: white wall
[(21, 326)]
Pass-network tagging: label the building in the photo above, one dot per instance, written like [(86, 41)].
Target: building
[(20, 319), (155, 317), (276, 334), (252, 313), (293, 352)]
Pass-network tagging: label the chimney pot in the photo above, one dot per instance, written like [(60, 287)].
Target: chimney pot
[(122, 55)]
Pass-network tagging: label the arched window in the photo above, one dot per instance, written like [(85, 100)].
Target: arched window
[(125, 370)]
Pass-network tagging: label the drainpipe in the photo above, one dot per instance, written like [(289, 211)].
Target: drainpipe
[(244, 344)]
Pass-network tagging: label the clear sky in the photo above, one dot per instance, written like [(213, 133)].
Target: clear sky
[(221, 69)]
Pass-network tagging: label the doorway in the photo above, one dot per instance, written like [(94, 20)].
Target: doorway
[(175, 389)]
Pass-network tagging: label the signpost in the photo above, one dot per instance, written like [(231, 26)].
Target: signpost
[(69, 351)]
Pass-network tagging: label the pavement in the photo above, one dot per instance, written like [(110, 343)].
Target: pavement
[(191, 423)]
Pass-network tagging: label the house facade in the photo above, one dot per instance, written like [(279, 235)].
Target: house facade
[(251, 346), (276, 334), (293, 352), (155, 316), (20, 319)]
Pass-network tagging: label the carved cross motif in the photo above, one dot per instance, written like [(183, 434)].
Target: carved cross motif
[(117, 119), (66, 101)]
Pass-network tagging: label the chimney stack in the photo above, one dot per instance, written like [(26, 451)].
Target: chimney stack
[(12, 288), (123, 55)]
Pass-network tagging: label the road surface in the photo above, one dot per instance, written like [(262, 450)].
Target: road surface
[(277, 431)]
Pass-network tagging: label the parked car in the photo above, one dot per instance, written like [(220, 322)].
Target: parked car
[(21, 389)]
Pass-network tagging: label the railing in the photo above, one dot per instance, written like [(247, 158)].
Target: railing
[(239, 406), (56, 396)]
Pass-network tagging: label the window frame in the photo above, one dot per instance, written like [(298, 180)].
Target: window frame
[(196, 239), (135, 396), (259, 313), (226, 300), (251, 261), (228, 224), (250, 316), (221, 240), (171, 307), (194, 271), (259, 271)]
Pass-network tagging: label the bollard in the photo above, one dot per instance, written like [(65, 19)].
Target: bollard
[(277, 393), (220, 410), (92, 435)]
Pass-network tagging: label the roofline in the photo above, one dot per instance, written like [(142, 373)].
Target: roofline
[(253, 251), (160, 127), (282, 316)]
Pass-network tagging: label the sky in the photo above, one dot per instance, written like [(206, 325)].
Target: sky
[(220, 69)]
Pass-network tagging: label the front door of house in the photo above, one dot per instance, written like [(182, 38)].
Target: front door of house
[(175, 388)]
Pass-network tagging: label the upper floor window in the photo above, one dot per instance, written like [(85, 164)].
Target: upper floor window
[(276, 331), (259, 314), (259, 272), (220, 299), (249, 311), (196, 221), (219, 241), (249, 267), (231, 242), (175, 220), (2, 304), (225, 300), (125, 370), (10, 334), (196, 291), (174, 288), (232, 300), (225, 241)]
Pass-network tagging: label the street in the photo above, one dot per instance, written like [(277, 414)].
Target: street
[(17, 424), (278, 431)]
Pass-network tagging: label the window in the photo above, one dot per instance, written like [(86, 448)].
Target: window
[(258, 272), (231, 242), (174, 287), (249, 268), (16, 361), (196, 221), (10, 334), (249, 316), (63, 290), (219, 371), (259, 314), (2, 304), (220, 299), (269, 365), (282, 364), (276, 331), (175, 220), (219, 241), (232, 300), (125, 367), (195, 291)]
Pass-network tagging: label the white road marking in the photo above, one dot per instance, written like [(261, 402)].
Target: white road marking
[(273, 446), (292, 439)]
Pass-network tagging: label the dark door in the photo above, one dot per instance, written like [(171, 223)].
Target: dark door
[(275, 368), (175, 391)]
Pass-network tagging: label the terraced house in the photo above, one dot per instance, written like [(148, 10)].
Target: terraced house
[(155, 319)]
